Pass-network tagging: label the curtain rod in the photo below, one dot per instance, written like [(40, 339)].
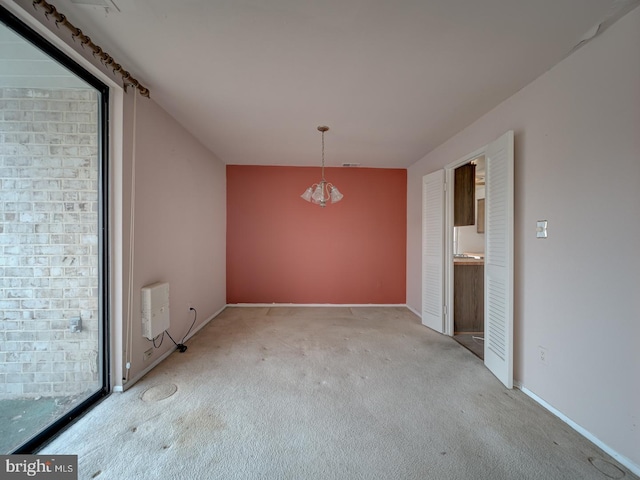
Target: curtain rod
[(106, 59)]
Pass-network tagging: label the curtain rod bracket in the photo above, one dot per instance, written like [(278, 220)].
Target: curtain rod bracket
[(106, 59)]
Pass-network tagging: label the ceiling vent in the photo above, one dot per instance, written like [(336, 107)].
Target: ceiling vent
[(96, 3), (350, 164), (106, 4)]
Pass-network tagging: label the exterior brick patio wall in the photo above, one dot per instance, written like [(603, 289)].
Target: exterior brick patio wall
[(48, 242)]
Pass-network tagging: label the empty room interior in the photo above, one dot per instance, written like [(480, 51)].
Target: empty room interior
[(357, 239)]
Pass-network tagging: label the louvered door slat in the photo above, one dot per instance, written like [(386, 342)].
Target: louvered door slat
[(498, 348), (433, 250)]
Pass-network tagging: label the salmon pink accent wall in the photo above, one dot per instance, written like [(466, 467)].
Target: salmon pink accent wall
[(282, 249)]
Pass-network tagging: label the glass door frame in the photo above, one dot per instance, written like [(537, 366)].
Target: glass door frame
[(31, 36)]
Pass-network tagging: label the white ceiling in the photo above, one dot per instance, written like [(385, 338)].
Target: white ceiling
[(252, 79)]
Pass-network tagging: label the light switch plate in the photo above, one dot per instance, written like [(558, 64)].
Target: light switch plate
[(541, 229)]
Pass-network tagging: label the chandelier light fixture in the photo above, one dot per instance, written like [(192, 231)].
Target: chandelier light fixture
[(323, 191)]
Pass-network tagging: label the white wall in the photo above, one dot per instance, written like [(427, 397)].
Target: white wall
[(179, 226), (577, 165), (179, 212)]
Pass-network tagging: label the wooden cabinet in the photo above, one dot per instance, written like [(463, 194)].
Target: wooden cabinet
[(468, 297), (464, 193)]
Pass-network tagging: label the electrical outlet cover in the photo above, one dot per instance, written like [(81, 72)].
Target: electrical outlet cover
[(543, 355)]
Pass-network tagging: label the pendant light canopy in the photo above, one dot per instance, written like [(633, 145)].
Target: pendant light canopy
[(323, 191)]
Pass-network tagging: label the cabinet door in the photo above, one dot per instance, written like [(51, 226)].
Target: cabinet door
[(464, 195), (468, 298)]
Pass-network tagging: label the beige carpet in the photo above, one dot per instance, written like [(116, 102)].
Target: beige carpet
[(325, 393)]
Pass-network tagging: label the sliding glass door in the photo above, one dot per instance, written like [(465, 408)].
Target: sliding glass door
[(53, 278)]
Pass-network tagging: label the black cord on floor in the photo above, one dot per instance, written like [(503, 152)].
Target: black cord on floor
[(181, 346), (174, 342)]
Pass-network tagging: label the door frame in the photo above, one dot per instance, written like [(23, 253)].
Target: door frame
[(499, 247)]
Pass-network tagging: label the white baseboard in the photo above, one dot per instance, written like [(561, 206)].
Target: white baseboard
[(418, 314), (316, 305), (204, 323), (129, 383), (160, 359), (581, 430)]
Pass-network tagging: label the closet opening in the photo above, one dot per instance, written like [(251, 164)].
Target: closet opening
[(468, 255)]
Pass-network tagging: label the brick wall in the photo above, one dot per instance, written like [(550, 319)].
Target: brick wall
[(48, 242)]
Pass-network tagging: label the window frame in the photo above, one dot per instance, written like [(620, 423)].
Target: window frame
[(33, 37)]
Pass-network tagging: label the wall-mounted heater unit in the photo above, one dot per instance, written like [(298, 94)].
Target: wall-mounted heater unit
[(155, 309)]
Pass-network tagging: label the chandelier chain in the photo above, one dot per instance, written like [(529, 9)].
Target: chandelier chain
[(323, 156)]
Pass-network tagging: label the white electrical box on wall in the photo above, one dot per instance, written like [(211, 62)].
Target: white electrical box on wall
[(155, 309)]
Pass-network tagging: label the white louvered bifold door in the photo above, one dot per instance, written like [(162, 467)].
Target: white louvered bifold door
[(498, 305), (433, 250)]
